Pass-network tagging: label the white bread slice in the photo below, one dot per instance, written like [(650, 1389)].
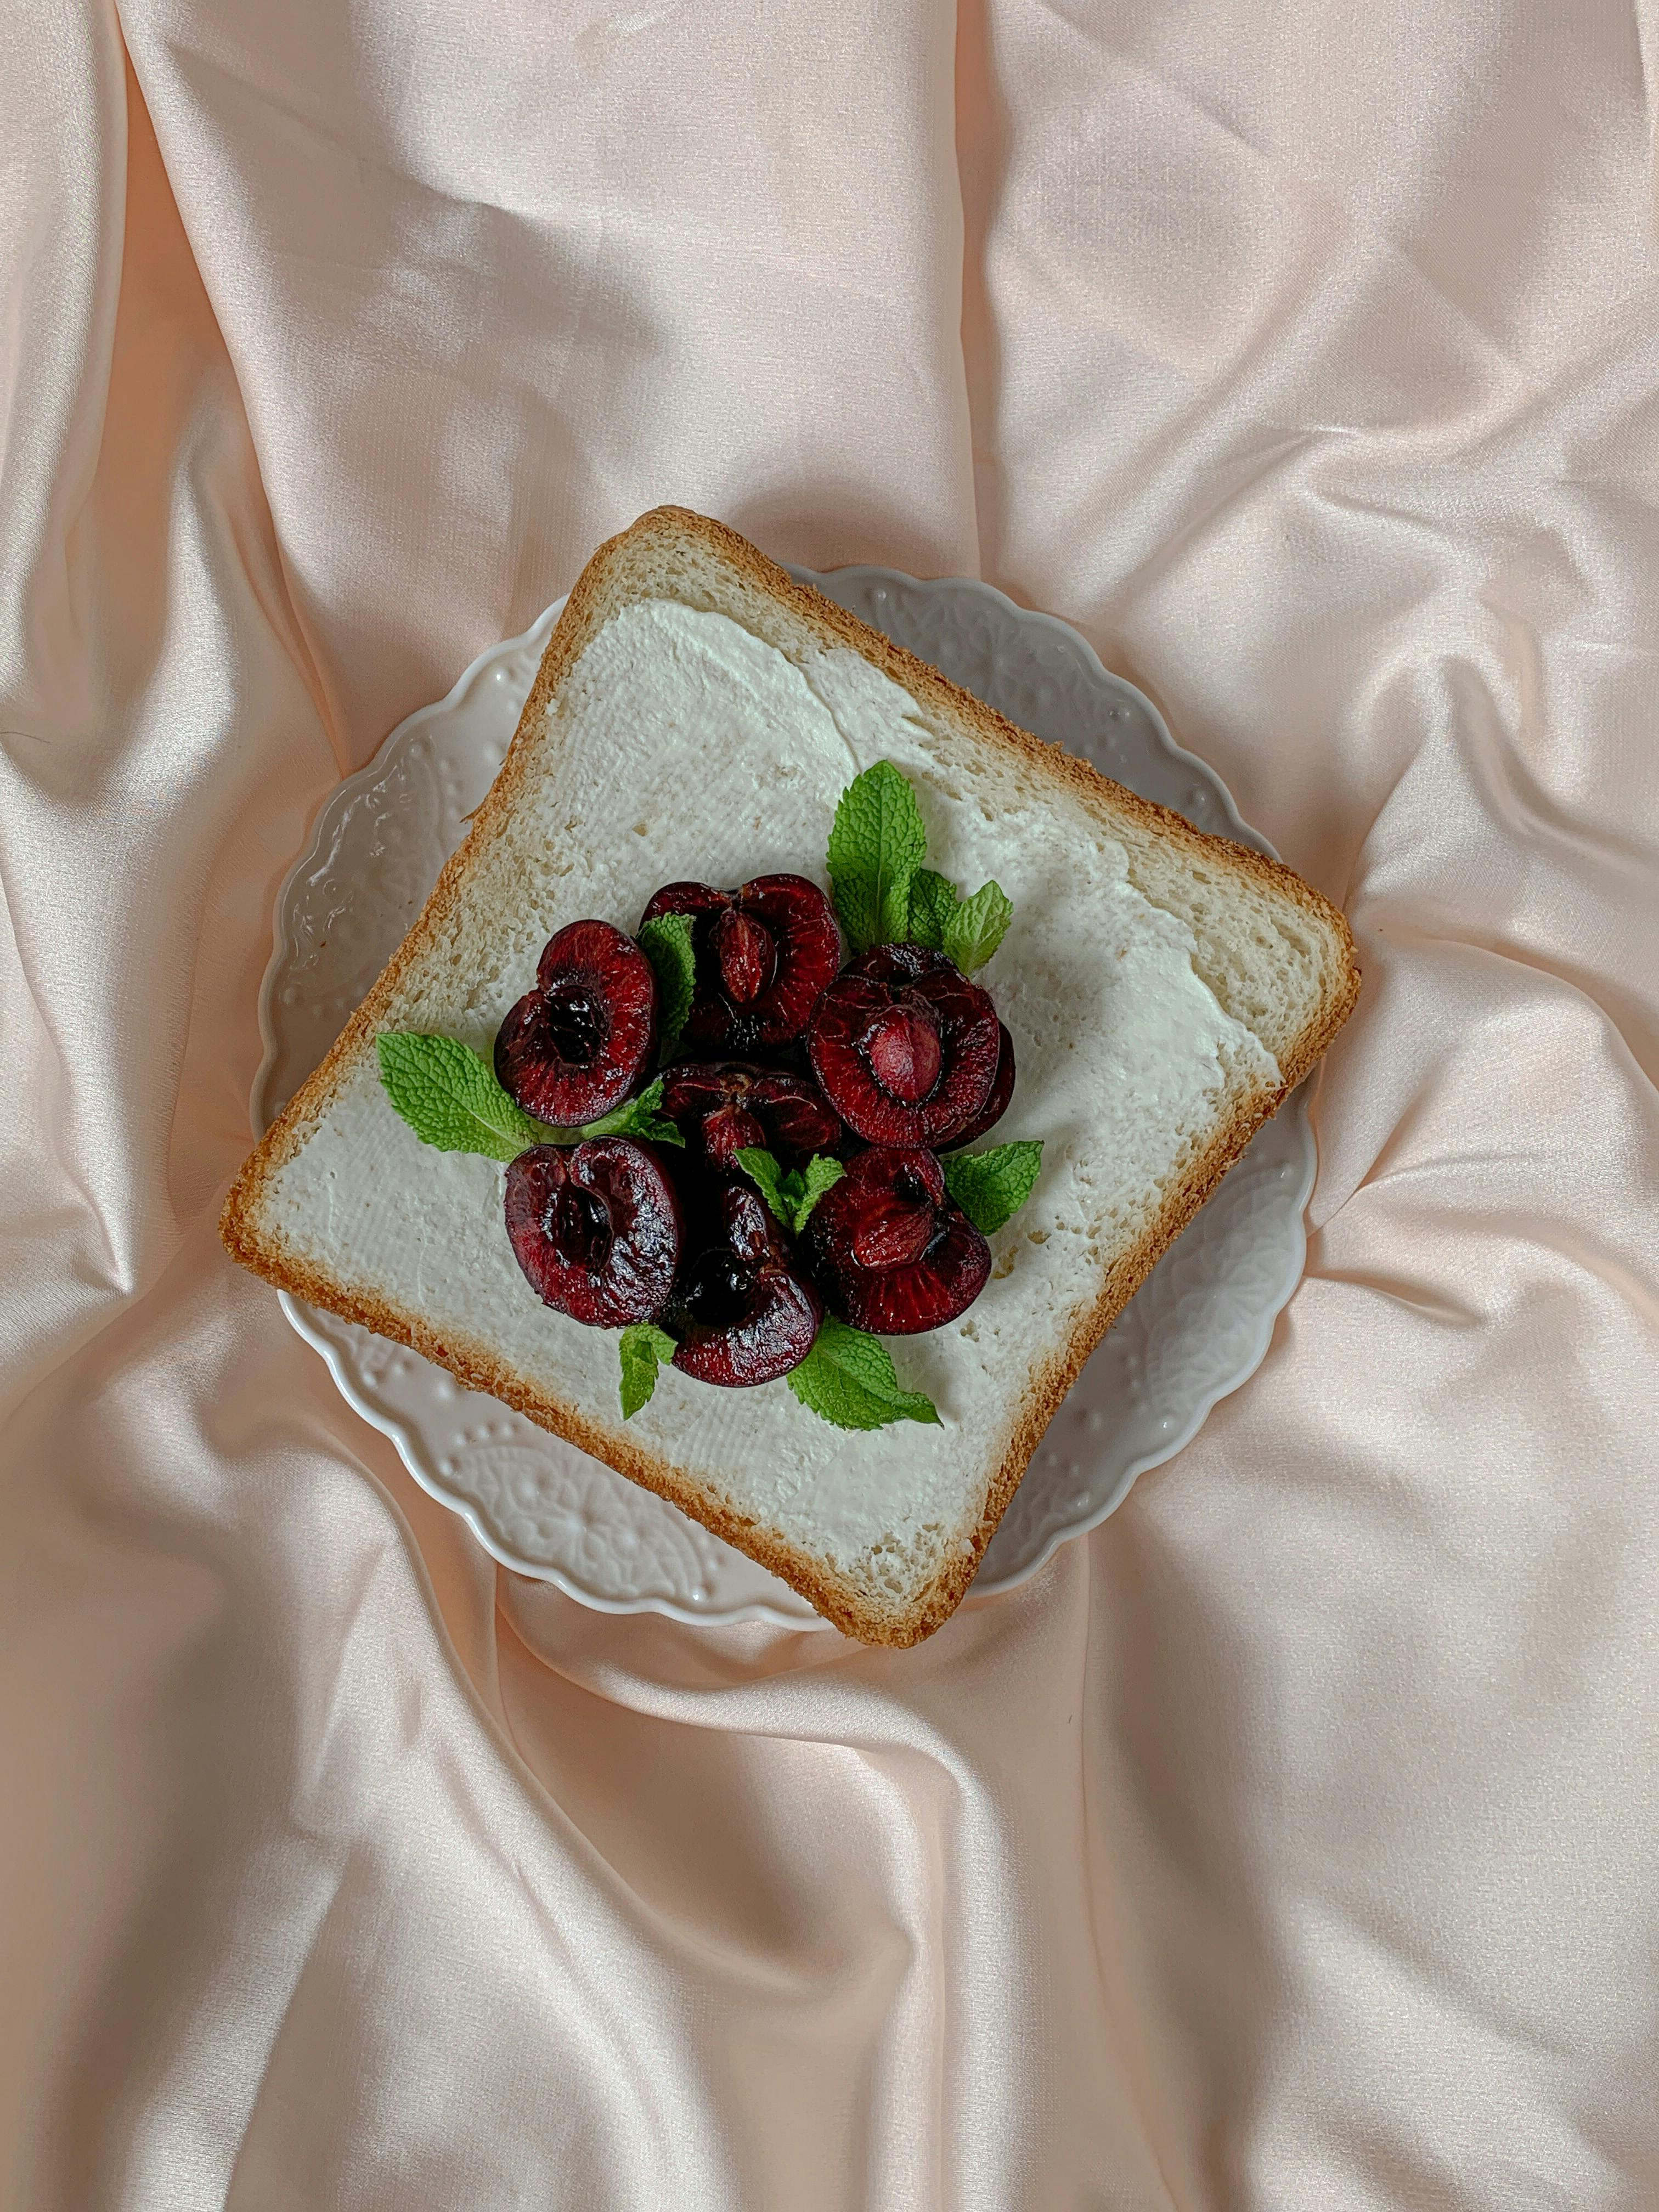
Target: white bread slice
[(696, 715)]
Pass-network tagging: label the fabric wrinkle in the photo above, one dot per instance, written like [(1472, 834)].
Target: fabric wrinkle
[(1285, 1842)]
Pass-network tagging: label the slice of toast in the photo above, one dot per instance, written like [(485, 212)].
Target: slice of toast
[(697, 715)]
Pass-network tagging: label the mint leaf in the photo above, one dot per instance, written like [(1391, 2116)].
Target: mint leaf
[(642, 1349), (448, 1095), (666, 944), (991, 1187), (967, 930), (636, 1117), (975, 929), (933, 901), (847, 1380), (791, 1194), (876, 847), (763, 1170), (877, 842), (822, 1172)]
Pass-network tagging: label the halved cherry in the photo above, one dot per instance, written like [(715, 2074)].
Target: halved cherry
[(576, 1045), (905, 1047), (597, 1229), (996, 1104), (728, 1131), (744, 1314), (763, 953), (726, 1104), (798, 1118), (892, 1252)]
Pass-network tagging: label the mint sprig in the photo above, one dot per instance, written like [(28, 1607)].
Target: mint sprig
[(877, 842), (641, 1118), (847, 1380), (991, 1187), (791, 1193), (665, 942), (642, 1349), (448, 1095)]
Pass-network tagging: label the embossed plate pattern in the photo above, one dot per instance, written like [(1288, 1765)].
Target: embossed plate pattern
[(1198, 1327)]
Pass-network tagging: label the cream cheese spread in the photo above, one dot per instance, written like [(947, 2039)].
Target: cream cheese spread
[(686, 746)]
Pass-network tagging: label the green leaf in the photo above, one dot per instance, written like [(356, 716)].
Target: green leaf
[(822, 1173), (969, 931), (877, 843), (637, 1117), (642, 1349), (763, 1170), (791, 1194), (991, 1187), (933, 901), (847, 1380), (976, 928), (666, 944), (448, 1095)]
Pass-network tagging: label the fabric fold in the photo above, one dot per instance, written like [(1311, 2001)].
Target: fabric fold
[(1286, 1842)]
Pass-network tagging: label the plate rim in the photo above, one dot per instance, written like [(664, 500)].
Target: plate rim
[(859, 574)]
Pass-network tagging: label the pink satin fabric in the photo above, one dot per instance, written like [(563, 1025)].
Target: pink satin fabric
[(1289, 1842)]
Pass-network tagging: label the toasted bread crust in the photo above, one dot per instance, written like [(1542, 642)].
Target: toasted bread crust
[(604, 585)]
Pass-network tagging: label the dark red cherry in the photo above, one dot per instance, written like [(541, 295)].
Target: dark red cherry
[(746, 956), (763, 953), (996, 1105), (728, 1131), (576, 1045), (597, 1229), (905, 1047), (799, 1120), (892, 1252), (727, 1104), (744, 1314)]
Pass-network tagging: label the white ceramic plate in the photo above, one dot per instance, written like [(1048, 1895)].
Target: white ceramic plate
[(1197, 1328)]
